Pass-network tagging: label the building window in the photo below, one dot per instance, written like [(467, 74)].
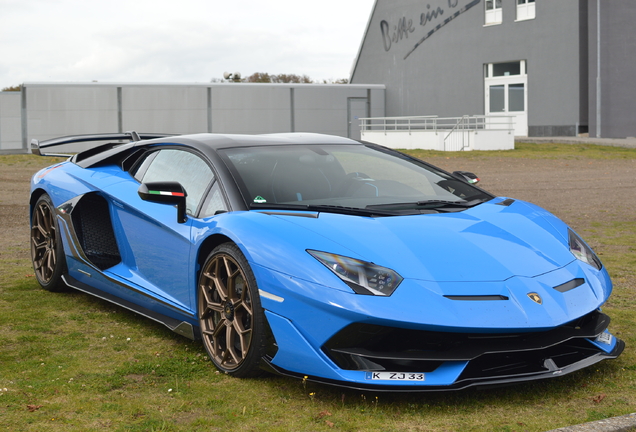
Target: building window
[(516, 97), (505, 69), (493, 12), (525, 10)]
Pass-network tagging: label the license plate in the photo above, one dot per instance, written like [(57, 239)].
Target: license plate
[(395, 376), (605, 338)]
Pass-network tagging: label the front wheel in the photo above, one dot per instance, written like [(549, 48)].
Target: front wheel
[(230, 313), (47, 252)]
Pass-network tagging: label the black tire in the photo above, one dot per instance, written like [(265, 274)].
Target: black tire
[(230, 313), (47, 252)]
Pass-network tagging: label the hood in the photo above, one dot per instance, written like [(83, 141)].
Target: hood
[(489, 242)]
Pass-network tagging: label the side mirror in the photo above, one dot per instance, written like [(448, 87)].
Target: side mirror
[(466, 176), (171, 193)]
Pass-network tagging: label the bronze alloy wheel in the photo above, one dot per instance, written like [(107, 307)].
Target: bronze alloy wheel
[(230, 314), (46, 249)]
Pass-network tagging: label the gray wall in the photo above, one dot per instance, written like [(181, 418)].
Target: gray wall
[(58, 110), (47, 110), (162, 109), (10, 123), (618, 69), (444, 74)]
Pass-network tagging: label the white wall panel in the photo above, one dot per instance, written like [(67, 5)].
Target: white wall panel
[(164, 109), (325, 108), (59, 110), (251, 108), (55, 110), (10, 123)]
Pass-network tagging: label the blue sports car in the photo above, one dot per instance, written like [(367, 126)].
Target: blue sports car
[(322, 258)]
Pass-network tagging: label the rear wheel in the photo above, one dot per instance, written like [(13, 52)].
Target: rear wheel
[(47, 252), (230, 313)]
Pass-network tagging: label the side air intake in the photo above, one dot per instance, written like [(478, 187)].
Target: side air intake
[(94, 230)]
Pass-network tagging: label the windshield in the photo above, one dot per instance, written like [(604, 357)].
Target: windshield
[(351, 176)]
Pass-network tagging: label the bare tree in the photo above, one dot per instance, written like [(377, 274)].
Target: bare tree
[(264, 77), (292, 78), (259, 77)]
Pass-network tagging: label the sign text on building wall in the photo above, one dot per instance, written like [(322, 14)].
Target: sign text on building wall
[(394, 33)]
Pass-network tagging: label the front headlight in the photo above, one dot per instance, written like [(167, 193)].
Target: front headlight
[(363, 277), (582, 251)]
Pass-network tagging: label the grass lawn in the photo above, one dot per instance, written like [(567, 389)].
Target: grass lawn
[(72, 362)]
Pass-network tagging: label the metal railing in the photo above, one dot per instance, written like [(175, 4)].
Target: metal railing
[(398, 123), (458, 138), (434, 123), (457, 129)]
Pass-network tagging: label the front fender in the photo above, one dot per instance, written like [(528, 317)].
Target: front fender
[(276, 243)]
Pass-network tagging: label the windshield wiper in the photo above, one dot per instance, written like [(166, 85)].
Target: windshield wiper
[(461, 203), (325, 208), (430, 203)]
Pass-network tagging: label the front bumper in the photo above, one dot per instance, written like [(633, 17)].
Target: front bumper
[(465, 360), (364, 342)]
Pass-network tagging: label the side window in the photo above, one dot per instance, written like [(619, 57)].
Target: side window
[(140, 169), (181, 166), (494, 13), (214, 203), (525, 10)]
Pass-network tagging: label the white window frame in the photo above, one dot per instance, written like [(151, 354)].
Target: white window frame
[(526, 10), (494, 15), (522, 69)]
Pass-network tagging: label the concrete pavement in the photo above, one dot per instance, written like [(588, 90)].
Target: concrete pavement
[(629, 142), (615, 424)]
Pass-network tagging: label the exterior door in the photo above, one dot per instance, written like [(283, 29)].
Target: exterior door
[(356, 109), (507, 94), (158, 247)]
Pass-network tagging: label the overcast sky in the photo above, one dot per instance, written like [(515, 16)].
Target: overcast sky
[(177, 41)]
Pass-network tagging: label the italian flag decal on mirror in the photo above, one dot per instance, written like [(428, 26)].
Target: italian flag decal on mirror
[(177, 194)]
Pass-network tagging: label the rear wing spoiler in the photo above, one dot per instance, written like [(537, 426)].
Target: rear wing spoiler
[(39, 147)]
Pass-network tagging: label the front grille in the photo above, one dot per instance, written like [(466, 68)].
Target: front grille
[(528, 362), (375, 348)]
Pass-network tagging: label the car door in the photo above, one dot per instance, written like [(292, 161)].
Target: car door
[(157, 248)]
